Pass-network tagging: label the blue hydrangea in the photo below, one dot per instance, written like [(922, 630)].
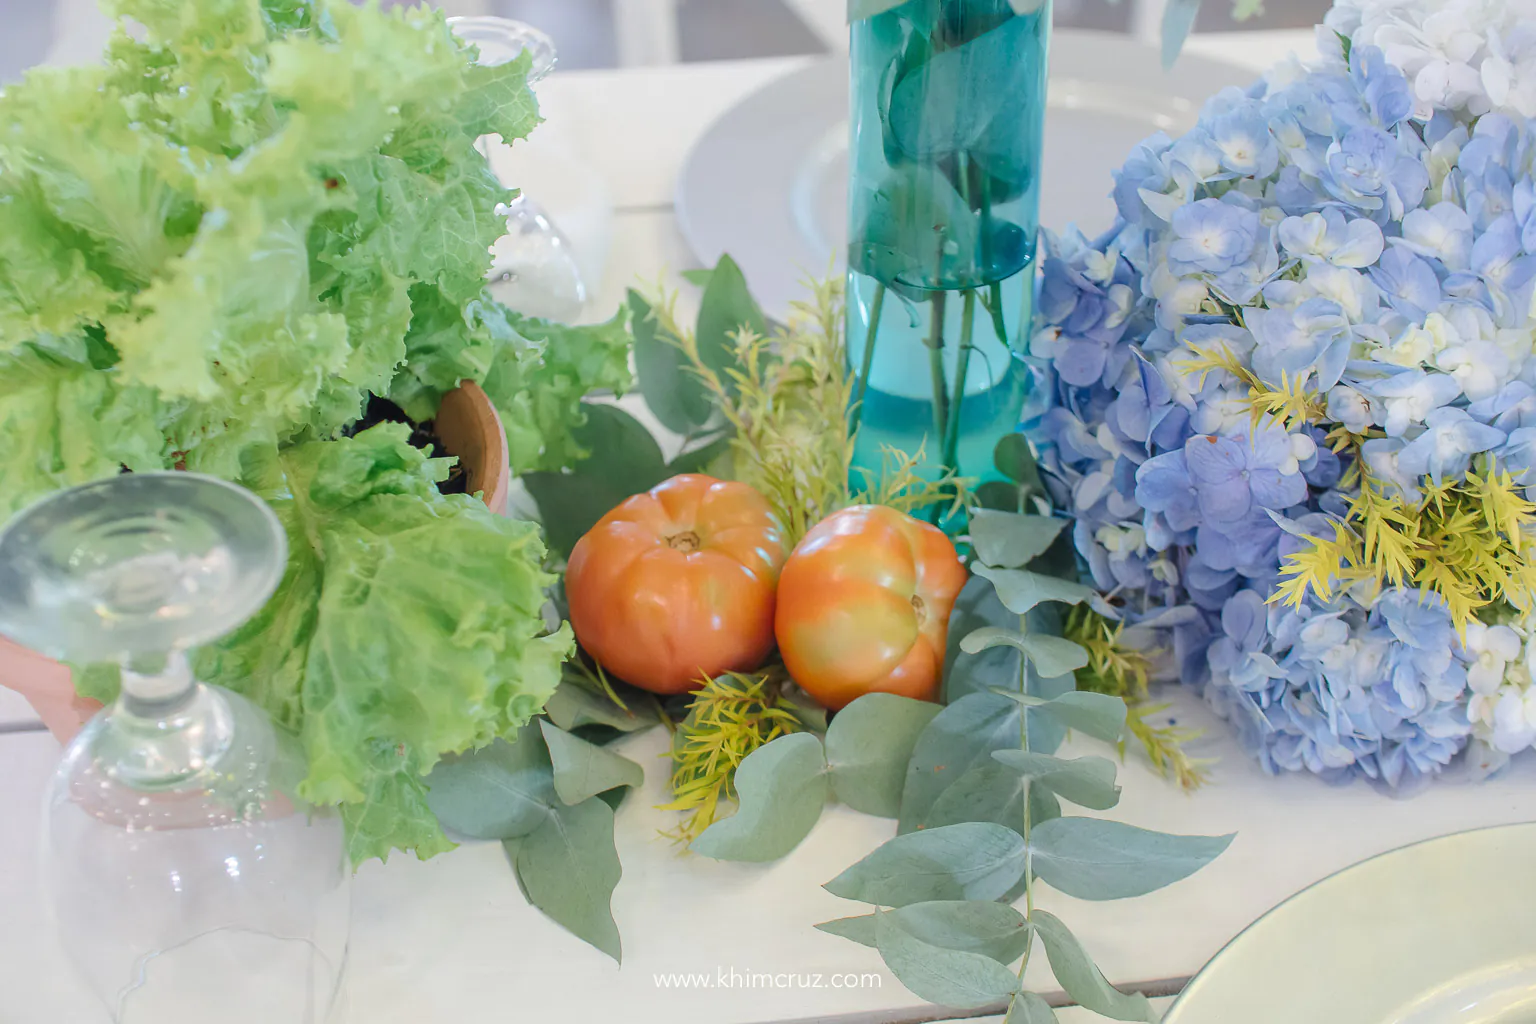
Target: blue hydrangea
[(1323, 234)]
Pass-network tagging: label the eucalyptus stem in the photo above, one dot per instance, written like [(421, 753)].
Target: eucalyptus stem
[(856, 407), (951, 450), (1029, 866)]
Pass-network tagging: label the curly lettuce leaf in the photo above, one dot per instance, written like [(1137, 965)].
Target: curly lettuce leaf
[(409, 625), (542, 400), (534, 371), (268, 184), (65, 424)]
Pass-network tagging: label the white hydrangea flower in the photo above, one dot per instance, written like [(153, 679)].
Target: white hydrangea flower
[(1502, 705), (1468, 56)]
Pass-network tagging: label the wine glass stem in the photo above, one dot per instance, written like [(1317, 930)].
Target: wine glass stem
[(165, 727)]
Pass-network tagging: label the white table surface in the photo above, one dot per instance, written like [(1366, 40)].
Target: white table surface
[(452, 939)]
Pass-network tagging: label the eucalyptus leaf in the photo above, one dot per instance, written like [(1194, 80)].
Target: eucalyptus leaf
[(992, 792), (500, 791), (1020, 590), (978, 607), (961, 737), (674, 393), (869, 745), (726, 310), (1178, 18), (973, 84), (1081, 979), (1028, 1008), (1052, 655), (1014, 458), (948, 977), (917, 230), (700, 459), (1094, 859), (582, 769), (699, 278), (1022, 7), (1097, 714), (625, 461), (569, 867), (1000, 496), (1006, 540), (992, 929), (781, 788), (574, 705), (971, 861), (1086, 781)]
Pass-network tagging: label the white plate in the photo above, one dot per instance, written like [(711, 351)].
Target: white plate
[(1442, 931), (768, 182)]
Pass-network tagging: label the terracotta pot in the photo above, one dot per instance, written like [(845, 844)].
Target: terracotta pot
[(468, 426)]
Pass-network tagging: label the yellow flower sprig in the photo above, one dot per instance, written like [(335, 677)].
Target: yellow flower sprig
[(1291, 404), (729, 718), (1124, 672), (1464, 540)]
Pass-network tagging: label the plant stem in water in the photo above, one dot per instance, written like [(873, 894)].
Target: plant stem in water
[(856, 407), (951, 449), (936, 366), (995, 291)]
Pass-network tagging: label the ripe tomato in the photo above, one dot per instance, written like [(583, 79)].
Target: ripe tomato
[(677, 584), (864, 606)]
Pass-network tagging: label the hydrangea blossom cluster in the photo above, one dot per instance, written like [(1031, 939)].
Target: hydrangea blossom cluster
[(1361, 249), (1468, 57)]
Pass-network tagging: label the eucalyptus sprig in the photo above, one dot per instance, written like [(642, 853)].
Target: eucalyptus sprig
[(942, 916), (977, 791)]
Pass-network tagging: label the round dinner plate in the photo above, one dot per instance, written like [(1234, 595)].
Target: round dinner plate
[(768, 182), (1441, 932)]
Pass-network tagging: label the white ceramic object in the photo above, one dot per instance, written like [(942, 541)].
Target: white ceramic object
[(1432, 933), (768, 182)]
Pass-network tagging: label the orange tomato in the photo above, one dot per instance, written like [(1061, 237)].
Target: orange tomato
[(864, 606), (677, 584)]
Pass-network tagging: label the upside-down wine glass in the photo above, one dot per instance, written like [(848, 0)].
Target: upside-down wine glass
[(189, 881), (533, 270)]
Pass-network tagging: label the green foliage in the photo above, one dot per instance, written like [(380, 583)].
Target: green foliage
[(981, 817), (1081, 979), (782, 788), (408, 625), (1118, 670), (1085, 781), (569, 868), (869, 745), (623, 460), (1012, 541), (992, 929), (732, 716), (1095, 859), (1020, 590), (951, 977), (282, 211), (549, 797), (582, 769), (978, 861)]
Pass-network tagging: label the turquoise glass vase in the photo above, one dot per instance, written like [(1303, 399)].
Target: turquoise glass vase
[(948, 103)]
